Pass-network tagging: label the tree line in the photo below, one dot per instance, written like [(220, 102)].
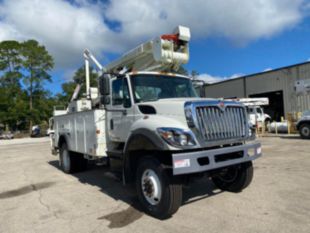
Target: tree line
[(24, 68)]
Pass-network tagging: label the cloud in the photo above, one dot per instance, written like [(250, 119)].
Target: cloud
[(207, 78), (267, 69), (67, 27), (64, 28), (237, 20)]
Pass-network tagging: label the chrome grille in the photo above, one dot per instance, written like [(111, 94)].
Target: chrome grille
[(217, 124)]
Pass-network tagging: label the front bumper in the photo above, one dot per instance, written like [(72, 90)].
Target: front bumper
[(206, 160)]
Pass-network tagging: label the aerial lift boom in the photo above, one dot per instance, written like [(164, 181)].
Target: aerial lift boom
[(164, 53)]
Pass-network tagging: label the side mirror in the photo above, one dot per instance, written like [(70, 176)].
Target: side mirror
[(104, 84), (104, 88)]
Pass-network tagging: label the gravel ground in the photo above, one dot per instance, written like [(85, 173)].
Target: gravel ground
[(36, 196)]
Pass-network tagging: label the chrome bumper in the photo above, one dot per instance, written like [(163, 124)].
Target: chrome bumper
[(191, 162)]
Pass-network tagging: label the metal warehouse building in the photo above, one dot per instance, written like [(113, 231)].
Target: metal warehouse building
[(279, 85)]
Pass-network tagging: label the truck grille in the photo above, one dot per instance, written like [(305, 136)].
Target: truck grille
[(217, 124)]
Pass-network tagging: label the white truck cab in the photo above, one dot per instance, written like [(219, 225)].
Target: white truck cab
[(153, 127), (257, 115)]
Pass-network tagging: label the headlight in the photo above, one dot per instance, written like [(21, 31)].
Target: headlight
[(189, 117), (177, 137)]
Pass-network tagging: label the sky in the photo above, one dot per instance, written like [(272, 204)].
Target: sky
[(230, 38)]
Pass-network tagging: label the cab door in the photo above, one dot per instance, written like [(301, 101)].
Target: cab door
[(120, 111)]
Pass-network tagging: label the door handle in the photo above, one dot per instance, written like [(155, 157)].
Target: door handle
[(124, 112)]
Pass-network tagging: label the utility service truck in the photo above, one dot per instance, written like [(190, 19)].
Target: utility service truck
[(147, 122), (255, 111)]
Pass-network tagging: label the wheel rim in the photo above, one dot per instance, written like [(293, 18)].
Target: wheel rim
[(65, 160), (229, 175), (305, 131), (151, 187)]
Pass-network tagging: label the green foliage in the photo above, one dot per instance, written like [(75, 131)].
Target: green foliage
[(36, 64), (11, 96), (63, 98), (30, 62), (78, 78), (13, 107), (10, 63), (24, 67)]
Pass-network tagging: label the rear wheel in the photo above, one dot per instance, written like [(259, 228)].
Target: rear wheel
[(159, 195), (304, 131), (234, 178), (71, 162)]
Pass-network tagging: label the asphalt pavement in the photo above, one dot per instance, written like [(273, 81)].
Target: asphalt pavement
[(36, 196)]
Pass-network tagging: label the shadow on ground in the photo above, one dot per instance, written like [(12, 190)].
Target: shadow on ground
[(25, 190), (112, 186)]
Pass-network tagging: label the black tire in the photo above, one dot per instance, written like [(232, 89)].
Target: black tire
[(304, 131), (171, 191), (71, 162), (234, 178)]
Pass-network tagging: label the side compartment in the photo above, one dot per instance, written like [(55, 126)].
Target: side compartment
[(84, 131)]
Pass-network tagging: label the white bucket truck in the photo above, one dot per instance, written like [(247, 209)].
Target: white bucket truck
[(256, 112), (152, 126)]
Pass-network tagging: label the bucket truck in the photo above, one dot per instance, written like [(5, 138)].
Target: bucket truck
[(147, 122)]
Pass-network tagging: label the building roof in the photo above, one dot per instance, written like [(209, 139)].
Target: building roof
[(259, 73)]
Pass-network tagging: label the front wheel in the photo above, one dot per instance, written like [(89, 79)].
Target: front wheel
[(234, 178), (159, 195), (304, 131)]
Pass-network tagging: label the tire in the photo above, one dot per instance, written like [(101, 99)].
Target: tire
[(159, 195), (71, 162), (234, 178), (304, 131)]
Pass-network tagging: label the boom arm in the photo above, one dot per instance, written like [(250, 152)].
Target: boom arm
[(164, 53), (88, 56)]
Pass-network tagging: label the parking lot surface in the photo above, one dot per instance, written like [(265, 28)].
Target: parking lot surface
[(36, 196)]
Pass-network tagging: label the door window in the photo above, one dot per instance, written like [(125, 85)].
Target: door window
[(120, 93), (250, 110)]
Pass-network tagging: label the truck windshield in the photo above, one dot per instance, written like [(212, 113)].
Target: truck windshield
[(155, 87)]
